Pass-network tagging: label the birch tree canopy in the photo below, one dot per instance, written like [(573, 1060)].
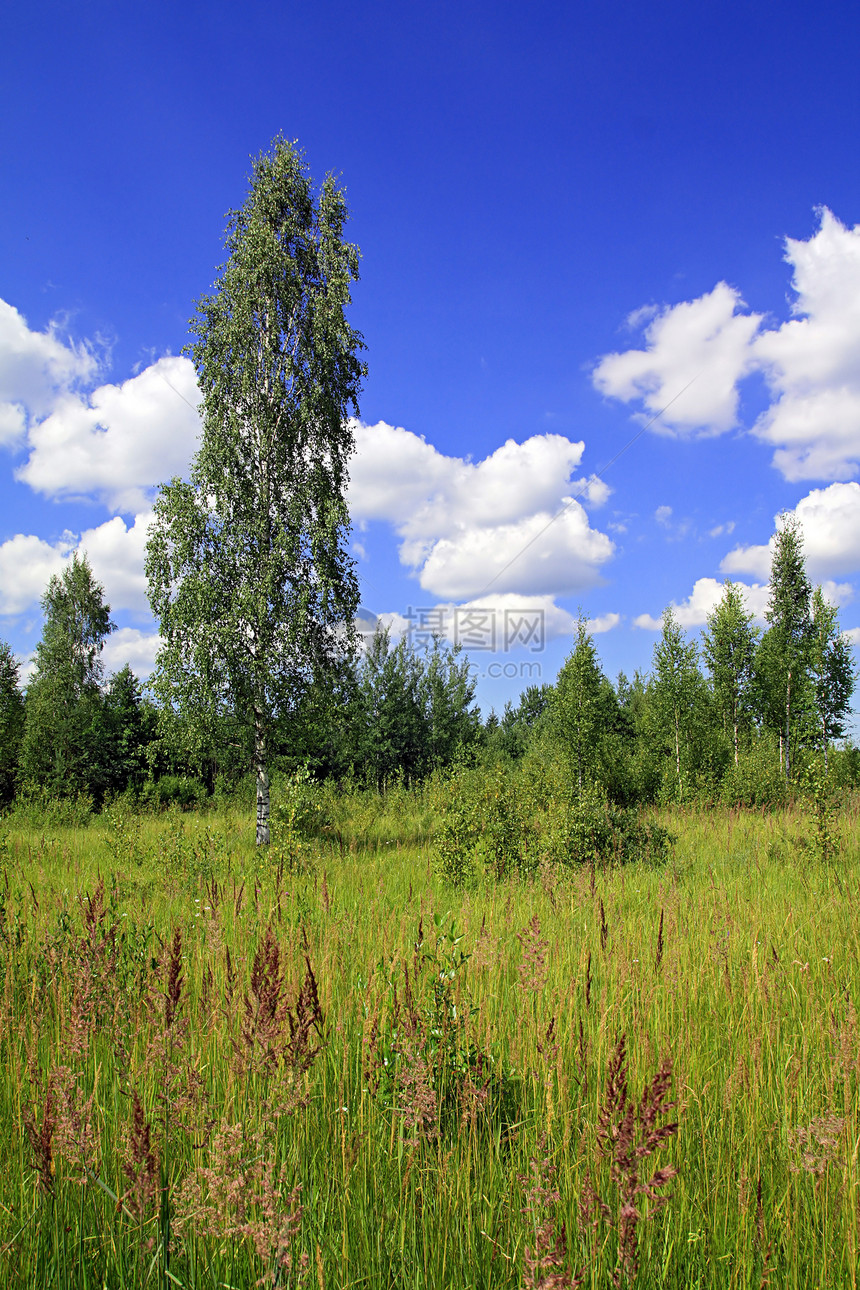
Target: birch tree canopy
[(247, 562)]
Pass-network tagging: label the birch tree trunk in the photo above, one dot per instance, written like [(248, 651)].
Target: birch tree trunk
[(788, 728), (262, 774)]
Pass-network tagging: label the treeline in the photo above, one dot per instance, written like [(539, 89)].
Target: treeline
[(389, 712), (734, 719)]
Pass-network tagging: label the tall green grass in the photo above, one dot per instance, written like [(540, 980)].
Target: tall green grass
[(323, 1066)]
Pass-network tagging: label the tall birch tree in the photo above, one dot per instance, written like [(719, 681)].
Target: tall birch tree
[(728, 646), (247, 561), (833, 673), (676, 694), (783, 657), (575, 714), (11, 721)]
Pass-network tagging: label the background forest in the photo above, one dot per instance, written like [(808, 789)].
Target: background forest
[(734, 720)]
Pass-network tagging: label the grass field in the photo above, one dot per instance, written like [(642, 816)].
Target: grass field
[(322, 1066)]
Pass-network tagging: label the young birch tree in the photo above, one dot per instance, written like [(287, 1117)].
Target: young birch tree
[(11, 721), (728, 646), (676, 693), (63, 744), (783, 657), (576, 707), (833, 672), (247, 562)]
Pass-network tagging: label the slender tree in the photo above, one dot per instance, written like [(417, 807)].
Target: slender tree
[(833, 672), (391, 734), (11, 721), (519, 725), (676, 693), (63, 747), (728, 647), (782, 662), (247, 563), (447, 691), (576, 707)]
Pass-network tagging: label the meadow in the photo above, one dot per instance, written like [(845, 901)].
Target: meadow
[(323, 1065)]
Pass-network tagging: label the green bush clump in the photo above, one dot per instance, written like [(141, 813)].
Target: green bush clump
[(483, 829), (496, 824), (174, 790), (756, 780), (37, 806)]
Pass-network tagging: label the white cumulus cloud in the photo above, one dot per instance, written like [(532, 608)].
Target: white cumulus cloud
[(130, 645), (702, 600), (829, 520), (811, 363), (467, 526), (27, 563), (35, 368), (115, 552), (603, 623), (700, 347), (121, 441)]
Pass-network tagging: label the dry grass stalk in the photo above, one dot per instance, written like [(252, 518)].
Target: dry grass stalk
[(417, 1098), (820, 1144), (545, 1261), (74, 1139), (629, 1134), (533, 971), (140, 1164), (41, 1138), (474, 1093), (242, 1195), (265, 1006)]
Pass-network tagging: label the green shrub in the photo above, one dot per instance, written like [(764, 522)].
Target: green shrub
[(36, 806), (758, 778), (483, 829), (174, 790), (500, 820)]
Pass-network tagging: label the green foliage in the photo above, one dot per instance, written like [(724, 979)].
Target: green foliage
[(11, 722), (584, 829), (423, 1033), (129, 727), (822, 807), (247, 562), (833, 673), (37, 806), (677, 701), (411, 712), (178, 791), (500, 822), (785, 693), (512, 736), (756, 779), (728, 647), (63, 746), (482, 830), (298, 815)]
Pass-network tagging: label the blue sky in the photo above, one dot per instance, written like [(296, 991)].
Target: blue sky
[(569, 217)]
